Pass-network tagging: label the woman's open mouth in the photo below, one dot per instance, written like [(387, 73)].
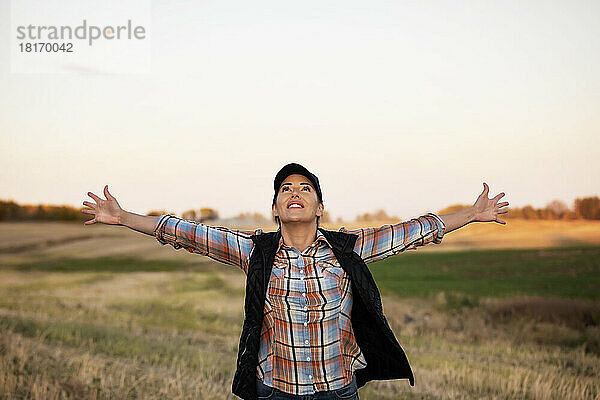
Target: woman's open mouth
[(295, 205)]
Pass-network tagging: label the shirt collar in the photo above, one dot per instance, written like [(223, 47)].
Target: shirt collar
[(319, 240)]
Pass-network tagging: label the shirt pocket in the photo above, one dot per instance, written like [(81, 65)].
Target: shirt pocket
[(277, 290), (331, 280)]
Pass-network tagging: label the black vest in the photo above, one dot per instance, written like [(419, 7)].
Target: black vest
[(385, 358)]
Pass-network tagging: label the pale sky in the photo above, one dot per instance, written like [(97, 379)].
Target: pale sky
[(406, 106)]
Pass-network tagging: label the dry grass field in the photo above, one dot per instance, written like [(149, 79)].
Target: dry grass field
[(106, 313)]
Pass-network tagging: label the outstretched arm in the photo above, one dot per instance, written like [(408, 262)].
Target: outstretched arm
[(228, 246), (110, 212), (375, 244), (483, 210)]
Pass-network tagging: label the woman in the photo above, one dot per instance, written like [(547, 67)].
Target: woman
[(314, 325)]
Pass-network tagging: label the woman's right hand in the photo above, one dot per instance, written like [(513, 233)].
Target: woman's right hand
[(105, 211)]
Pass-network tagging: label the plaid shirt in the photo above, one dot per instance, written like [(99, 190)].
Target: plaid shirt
[(307, 342)]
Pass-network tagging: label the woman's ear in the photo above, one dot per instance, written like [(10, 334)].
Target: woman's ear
[(320, 209), (274, 209)]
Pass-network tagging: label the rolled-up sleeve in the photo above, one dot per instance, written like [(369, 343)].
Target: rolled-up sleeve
[(374, 244), (159, 227), (438, 230), (229, 246)]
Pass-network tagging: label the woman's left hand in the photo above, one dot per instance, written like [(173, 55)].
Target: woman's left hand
[(488, 209)]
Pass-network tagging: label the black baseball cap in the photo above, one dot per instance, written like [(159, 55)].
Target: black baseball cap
[(291, 169)]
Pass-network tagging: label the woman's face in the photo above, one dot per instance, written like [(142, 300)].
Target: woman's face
[(297, 201)]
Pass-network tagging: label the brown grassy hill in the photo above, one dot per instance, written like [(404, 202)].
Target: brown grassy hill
[(21, 241)]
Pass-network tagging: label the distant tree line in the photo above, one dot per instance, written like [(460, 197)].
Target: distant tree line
[(583, 208), (11, 211), (202, 215), (379, 215)]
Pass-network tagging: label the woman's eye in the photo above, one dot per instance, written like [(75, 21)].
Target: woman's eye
[(286, 188)]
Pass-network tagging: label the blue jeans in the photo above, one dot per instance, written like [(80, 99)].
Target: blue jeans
[(348, 392)]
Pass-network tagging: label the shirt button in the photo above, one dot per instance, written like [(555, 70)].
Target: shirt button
[(305, 308), (303, 294), (306, 341), (306, 323), (307, 358), (310, 377), (301, 271)]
